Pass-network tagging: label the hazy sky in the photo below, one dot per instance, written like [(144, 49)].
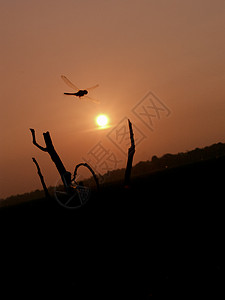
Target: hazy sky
[(172, 48)]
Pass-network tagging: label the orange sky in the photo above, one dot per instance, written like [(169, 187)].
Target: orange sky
[(173, 48)]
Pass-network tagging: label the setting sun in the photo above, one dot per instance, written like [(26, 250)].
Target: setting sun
[(102, 120)]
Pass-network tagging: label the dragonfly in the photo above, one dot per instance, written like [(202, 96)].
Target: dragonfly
[(78, 92)]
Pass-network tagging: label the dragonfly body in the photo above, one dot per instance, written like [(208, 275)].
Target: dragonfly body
[(79, 94)]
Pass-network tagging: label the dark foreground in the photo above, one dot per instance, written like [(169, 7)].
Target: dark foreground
[(162, 237)]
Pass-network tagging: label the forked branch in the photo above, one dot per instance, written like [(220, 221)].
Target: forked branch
[(35, 142), (65, 176)]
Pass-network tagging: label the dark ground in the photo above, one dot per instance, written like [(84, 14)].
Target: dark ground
[(162, 237)]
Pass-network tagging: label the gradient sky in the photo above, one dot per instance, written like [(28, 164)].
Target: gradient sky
[(173, 48)]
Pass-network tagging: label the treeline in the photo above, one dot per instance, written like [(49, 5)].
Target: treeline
[(15, 199), (22, 198), (169, 160), (175, 160)]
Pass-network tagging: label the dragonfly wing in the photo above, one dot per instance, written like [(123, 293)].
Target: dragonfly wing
[(69, 83), (93, 87), (93, 100)]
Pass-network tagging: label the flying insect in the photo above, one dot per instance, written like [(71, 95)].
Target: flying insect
[(78, 92)]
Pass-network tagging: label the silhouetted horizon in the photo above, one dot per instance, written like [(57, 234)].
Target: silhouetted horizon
[(163, 162)]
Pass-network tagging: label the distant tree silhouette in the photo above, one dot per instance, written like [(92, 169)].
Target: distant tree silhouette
[(154, 158)]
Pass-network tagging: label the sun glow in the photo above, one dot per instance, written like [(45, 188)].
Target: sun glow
[(102, 120)]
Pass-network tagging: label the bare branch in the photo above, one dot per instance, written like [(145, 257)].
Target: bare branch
[(35, 143), (90, 169), (53, 154), (41, 178), (131, 152)]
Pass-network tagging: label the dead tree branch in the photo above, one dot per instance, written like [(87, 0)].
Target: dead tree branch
[(41, 178), (90, 169), (131, 152), (65, 175), (34, 141)]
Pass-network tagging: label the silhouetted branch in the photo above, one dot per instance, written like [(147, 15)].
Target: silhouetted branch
[(41, 178), (34, 141), (90, 169), (131, 152), (65, 176)]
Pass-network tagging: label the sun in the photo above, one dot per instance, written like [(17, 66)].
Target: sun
[(102, 120)]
